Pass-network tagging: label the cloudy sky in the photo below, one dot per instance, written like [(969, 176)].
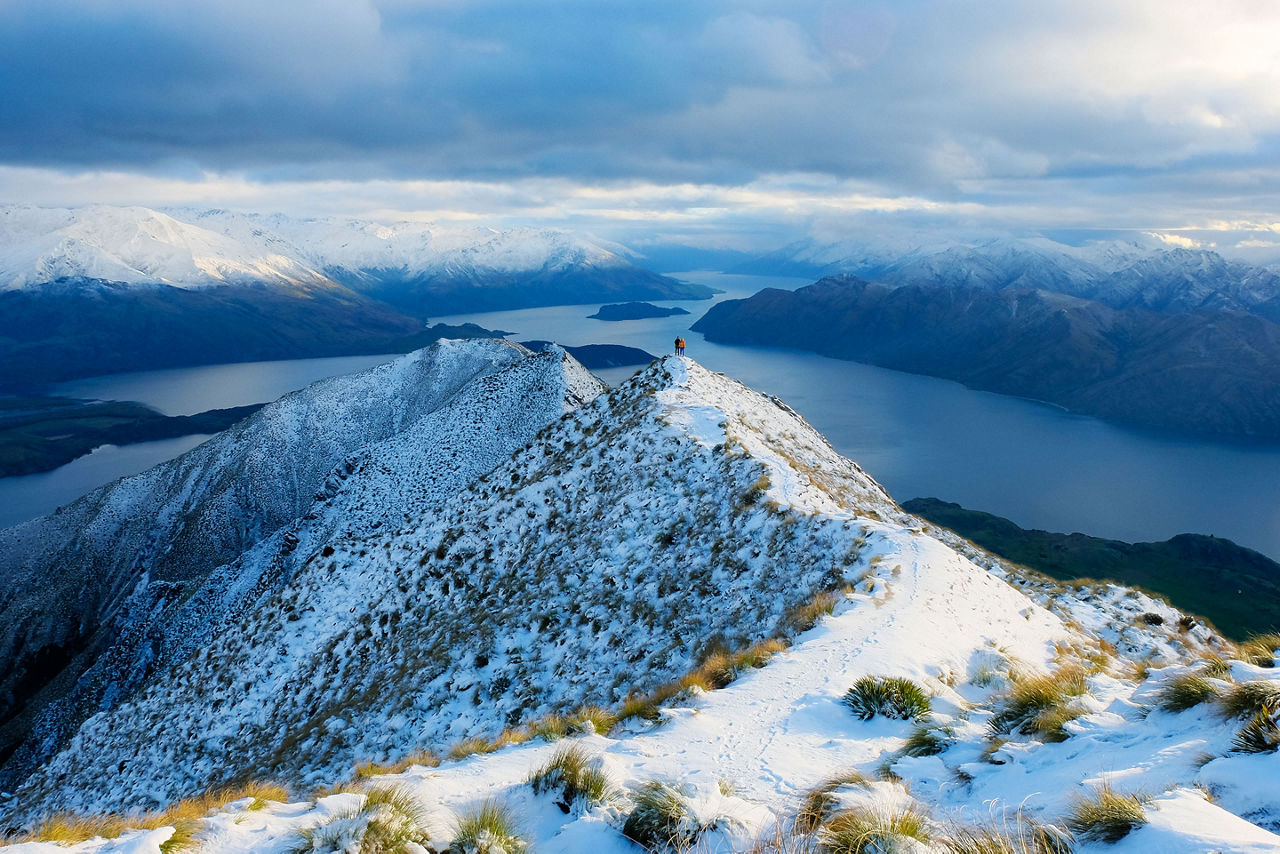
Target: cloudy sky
[(711, 123)]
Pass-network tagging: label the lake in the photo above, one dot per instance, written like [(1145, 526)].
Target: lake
[(919, 436)]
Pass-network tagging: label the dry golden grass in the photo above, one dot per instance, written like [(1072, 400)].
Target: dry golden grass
[(470, 747), (422, 757), (183, 816)]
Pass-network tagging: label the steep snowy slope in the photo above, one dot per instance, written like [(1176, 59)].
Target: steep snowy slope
[(677, 513), (633, 532), (88, 592)]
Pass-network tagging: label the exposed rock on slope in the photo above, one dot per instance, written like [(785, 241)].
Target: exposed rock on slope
[(93, 594), (1214, 373)]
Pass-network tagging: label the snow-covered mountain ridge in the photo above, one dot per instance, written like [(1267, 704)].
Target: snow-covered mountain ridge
[(419, 267), (206, 248), (127, 578), (1121, 274), (674, 515)]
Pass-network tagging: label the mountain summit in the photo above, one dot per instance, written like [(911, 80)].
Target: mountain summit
[(722, 616)]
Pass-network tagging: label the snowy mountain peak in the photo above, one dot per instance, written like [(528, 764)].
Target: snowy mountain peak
[(132, 245), (213, 247)]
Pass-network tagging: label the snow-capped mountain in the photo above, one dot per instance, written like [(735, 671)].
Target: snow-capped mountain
[(100, 290), (137, 245), (1120, 274), (633, 554), (146, 550), (420, 266)]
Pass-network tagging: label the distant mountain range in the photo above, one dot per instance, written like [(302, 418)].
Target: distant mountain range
[(101, 289), (1119, 274), (1201, 371)]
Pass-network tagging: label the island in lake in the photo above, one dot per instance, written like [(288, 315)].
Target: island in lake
[(598, 356), (633, 311)]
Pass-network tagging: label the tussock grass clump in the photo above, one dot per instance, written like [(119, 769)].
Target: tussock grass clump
[(389, 820), (891, 696), (801, 618), (69, 828), (1106, 815), (1260, 650), (1023, 837), (1215, 666), (722, 668), (1187, 691), (471, 746), (183, 816), (575, 777), (490, 828), (758, 655), (550, 728), (820, 802), (593, 719), (661, 818), (1261, 734), (422, 757), (1247, 700), (873, 830), (928, 740), (1040, 705)]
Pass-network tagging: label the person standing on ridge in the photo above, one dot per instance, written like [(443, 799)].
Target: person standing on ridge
[(679, 346)]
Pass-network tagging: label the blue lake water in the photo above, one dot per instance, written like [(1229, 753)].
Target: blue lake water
[(919, 436)]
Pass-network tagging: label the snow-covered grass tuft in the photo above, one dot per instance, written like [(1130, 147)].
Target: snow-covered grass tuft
[(424, 758), (390, 820), (1215, 666), (490, 828), (1022, 835), (821, 801), (1187, 691), (1106, 815), (782, 842), (550, 727), (472, 746), (805, 616), (1260, 650), (1249, 698), (928, 740), (1040, 705), (183, 816), (575, 778), (722, 668), (890, 696), (875, 828), (1261, 734), (593, 720), (69, 828), (661, 818)]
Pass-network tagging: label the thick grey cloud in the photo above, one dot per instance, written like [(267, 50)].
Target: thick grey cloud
[(1156, 109)]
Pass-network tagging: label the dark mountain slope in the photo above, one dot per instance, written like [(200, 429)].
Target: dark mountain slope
[(85, 327), (1208, 373), (1235, 587)]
